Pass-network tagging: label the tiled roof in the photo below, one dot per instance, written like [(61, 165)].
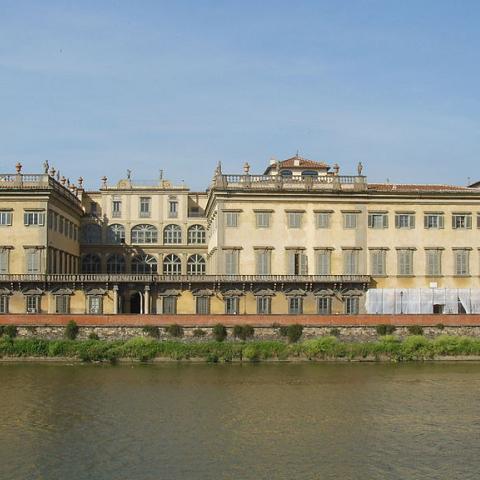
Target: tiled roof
[(303, 162), (413, 187)]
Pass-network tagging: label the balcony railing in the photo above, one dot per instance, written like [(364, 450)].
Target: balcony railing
[(155, 278)]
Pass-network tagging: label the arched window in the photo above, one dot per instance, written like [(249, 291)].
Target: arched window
[(144, 264), (196, 265), (309, 173), (172, 265), (91, 263), (172, 234), (144, 234), (116, 233), (116, 264), (91, 233), (196, 234), (286, 173)]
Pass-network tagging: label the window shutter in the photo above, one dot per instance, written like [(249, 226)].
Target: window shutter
[(291, 263), (397, 221), (303, 264), (453, 221), (425, 221), (441, 221), (370, 221), (385, 221), (412, 221), (3, 261), (468, 221)]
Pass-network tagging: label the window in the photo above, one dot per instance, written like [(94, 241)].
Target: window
[(196, 265), (462, 257), (95, 304), (172, 265), (323, 262), (142, 264), (286, 173), (404, 220), (324, 305), (91, 233), (116, 208), (377, 220), (62, 304), (116, 264), (3, 260), (295, 305), (170, 305), (61, 225), (93, 209), (144, 234), (3, 304), (172, 234), (34, 218), (144, 207), (405, 262), (5, 218), (350, 262), (116, 234), (350, 220), (378, 261), (322, 219), (310, 173), (55, 221), (172, 207), (33, 260), (297, 263), (262, 262), (231, 219), (231, 305), (478, 220), (33, 303), (352, 305), (262, 219), (433, 262), (433, 220), (294, 219), (461, 221), (91, 263), (202, 305), (196, 234), (264, 305), (231, 262)]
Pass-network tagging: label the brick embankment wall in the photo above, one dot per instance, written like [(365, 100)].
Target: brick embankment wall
[(230, 320)]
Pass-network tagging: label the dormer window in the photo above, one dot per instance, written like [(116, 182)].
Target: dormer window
[(309, 173), (286, 173)]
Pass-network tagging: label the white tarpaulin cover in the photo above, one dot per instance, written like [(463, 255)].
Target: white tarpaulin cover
[(422, 300)]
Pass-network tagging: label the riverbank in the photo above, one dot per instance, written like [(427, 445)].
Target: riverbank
[(387, 348)]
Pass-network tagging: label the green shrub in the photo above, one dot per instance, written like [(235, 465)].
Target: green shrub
[(175, 330), (10, 330), (384, 329), (334, 332), (440, 326), (283, 330), (151, 331), (199, 333), (219, 332), (71, 330), (415, 329), (243, 331), (93, 336), (294, 332)]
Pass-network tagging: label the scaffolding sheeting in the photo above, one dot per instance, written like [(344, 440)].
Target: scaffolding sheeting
[(423, 300)]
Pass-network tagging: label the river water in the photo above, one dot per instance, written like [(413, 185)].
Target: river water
[(266, 421)]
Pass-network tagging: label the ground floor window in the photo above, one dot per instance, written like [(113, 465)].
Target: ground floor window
[(351, 305), (62, 304), (295, 305), (324, 305), (263, 305), (95, 304), (203, 305), (231, 305), (33, 304), (3, 304), (170, 305)]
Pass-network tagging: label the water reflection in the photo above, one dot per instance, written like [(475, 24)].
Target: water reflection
[(327, 421)]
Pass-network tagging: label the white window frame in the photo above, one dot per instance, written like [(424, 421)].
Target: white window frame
[(232, 305), (202, 305), (404, 220), (405, 262), (350, 220), (32, 303), (231, 219), (377, 220), (4, 304), (144, 207), (461, 262), (262, 219), (461, 221), (294, 219), (33, 217), (295, 305), (322, 219), (324, 305), (264, 305), (378, 262), (434, 221), (433, 263), (323, 262), (6, 218)]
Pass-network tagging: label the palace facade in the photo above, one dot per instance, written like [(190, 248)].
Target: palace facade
[(299, 238)]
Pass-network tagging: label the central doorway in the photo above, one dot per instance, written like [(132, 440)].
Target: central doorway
[(135, 302)]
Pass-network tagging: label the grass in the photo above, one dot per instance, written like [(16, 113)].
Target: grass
[(414, 347)]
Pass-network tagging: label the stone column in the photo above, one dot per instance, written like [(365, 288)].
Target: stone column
[(115, 299), (146, 298)]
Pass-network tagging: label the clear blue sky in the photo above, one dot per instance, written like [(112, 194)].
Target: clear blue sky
[(97, 87)]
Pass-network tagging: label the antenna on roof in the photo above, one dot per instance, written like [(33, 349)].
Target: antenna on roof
[(296, 153)]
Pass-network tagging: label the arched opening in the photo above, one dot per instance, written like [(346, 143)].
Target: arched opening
[(136, 302)]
